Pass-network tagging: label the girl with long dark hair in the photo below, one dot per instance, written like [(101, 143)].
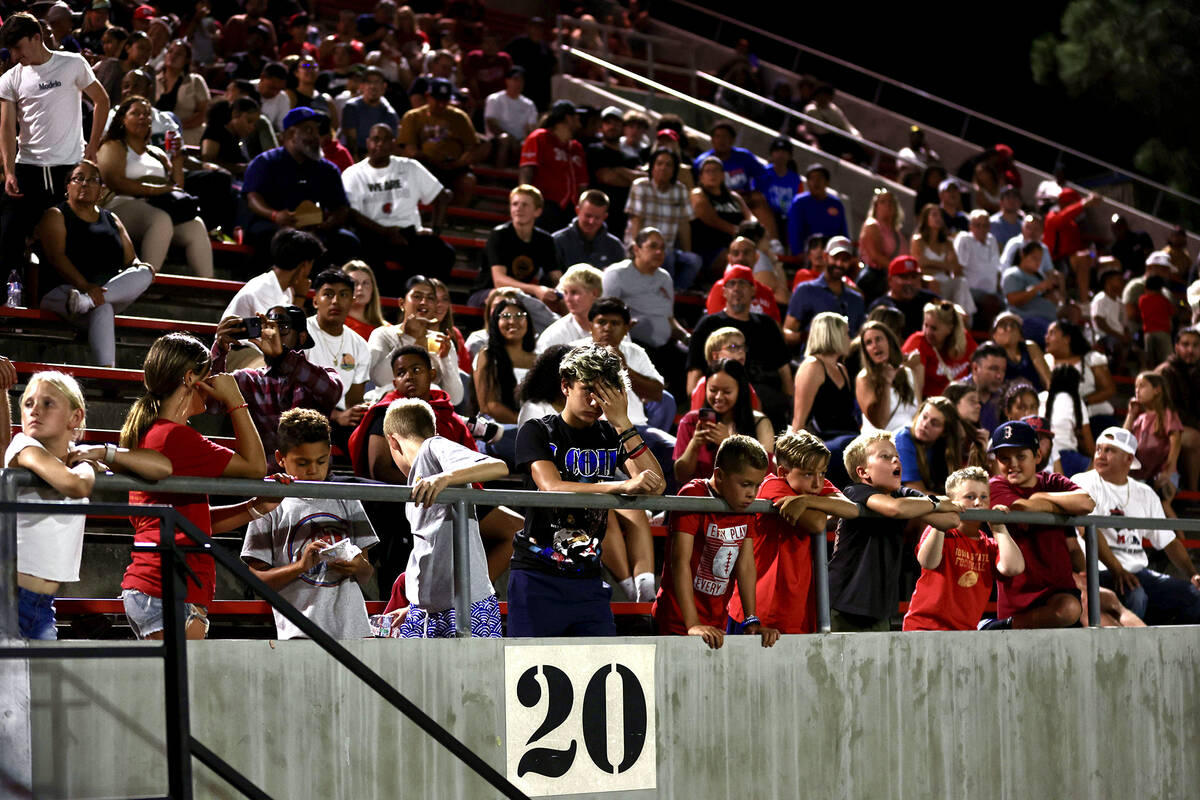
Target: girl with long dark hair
[(727, 409)]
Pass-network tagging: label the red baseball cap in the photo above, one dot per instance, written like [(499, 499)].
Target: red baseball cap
[(1039, 425), (903, 265), (738, 272), (1068, 196), (144, 12), (668, 133)]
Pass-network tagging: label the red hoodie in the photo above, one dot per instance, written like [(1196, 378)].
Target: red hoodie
[(449, 424)]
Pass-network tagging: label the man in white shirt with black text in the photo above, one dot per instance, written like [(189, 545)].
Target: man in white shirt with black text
[(1153, 596), (384, 192), (41, 94)]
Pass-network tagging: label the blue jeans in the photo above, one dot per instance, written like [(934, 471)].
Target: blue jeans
[(1165, 599), (35, 614), (683, 267)]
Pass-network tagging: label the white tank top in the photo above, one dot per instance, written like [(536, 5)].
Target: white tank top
[(143, 166)]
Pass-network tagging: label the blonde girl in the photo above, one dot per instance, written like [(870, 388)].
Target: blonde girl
[(50, 546)]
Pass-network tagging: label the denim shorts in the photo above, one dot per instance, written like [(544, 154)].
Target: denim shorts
[(36, 615), (145, 613)]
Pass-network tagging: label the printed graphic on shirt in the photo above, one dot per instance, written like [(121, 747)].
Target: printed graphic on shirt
[(721, 546), (574, 545), (523, 269), (346, 362), (971, 564), (324, 526)]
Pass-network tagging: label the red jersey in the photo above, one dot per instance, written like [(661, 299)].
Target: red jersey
[(718, 540), (784, 592), (1047, 560), (561, 167), (763, 302), (1156, 312), (953, 596), (1061, 233), (940, 369), (190, 454)]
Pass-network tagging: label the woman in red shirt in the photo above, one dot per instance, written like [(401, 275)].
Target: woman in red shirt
[(944, 346), (178, 388)]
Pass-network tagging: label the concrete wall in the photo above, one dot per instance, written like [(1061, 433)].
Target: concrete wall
[(1080, 713)]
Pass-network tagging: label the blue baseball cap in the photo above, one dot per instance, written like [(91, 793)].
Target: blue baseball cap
[(1014, 433), (301, 114)]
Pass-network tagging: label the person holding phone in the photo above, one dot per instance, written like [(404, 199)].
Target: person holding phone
[(287, 379), (727, 410)]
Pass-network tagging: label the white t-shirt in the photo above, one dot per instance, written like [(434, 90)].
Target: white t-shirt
[(1134, 499), (902, 413), (516, 116), (1109, 309), (1087, 385), (980, 261), (258, 296), (49, 109), (49, 546), (276, 109), (346, 353), (638, 360), (333, 601), (1062, 422), (389, 196), (429, 576), (563, 330), (386, 339)]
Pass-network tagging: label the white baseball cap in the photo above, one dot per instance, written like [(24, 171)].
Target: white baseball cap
[(1123, 440)]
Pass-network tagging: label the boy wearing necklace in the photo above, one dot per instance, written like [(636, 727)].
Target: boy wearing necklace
[(336, 345)]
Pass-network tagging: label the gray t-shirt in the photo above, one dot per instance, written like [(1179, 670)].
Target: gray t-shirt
[(1016, 279), (333, 601), (651, 300), (429, 577)]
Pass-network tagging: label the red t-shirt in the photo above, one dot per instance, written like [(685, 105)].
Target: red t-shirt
[(1047, 560), (953, 596), (718, 540), (763, 302), (1156, 312), (561, 166), (190, 454), (784, 591), (363, 329), (1061, 233), (940, 369)]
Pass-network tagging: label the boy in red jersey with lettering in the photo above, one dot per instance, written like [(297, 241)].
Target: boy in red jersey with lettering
[(959, 566), (1044, 595), (783, 541), (708, 551)]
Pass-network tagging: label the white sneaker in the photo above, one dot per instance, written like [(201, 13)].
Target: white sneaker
[(79, 303)]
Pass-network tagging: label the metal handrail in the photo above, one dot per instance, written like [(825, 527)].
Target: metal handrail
[(971, 113), (726, 113), (650, 41)]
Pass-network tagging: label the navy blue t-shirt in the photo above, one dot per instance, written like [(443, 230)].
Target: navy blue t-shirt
[(565, 541), (284, 182)]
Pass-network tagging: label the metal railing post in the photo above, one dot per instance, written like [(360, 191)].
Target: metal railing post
[(10, 627), (1093, 576), (462, 569), (175, 682), (650, 60), (821, 573)]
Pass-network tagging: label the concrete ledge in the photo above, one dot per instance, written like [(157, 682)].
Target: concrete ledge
[(1080, 713)]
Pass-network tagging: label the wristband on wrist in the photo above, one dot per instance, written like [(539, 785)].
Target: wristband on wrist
[(751, 620), (110, 453), (235, 408), (254, 512), (642, 448)]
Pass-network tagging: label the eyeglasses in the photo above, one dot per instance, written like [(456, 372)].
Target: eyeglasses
[(86, 181), (508, 316), (734, 347)]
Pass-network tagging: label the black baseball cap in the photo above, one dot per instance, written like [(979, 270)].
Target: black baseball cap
[(294, 318), (1014, 433)]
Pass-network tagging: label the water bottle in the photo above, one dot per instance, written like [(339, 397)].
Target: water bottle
[(14, 290)]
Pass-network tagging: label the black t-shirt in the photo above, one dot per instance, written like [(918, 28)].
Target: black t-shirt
[(600, 156), (528, 262), (873, 283), (913, 310), (565, 541), (766, 351), (864, 572), (231, 150)]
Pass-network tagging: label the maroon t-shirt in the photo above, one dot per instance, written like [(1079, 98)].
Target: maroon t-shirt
[(1047, 560)]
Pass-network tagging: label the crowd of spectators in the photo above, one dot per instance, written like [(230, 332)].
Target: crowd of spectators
[(984, 351)]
